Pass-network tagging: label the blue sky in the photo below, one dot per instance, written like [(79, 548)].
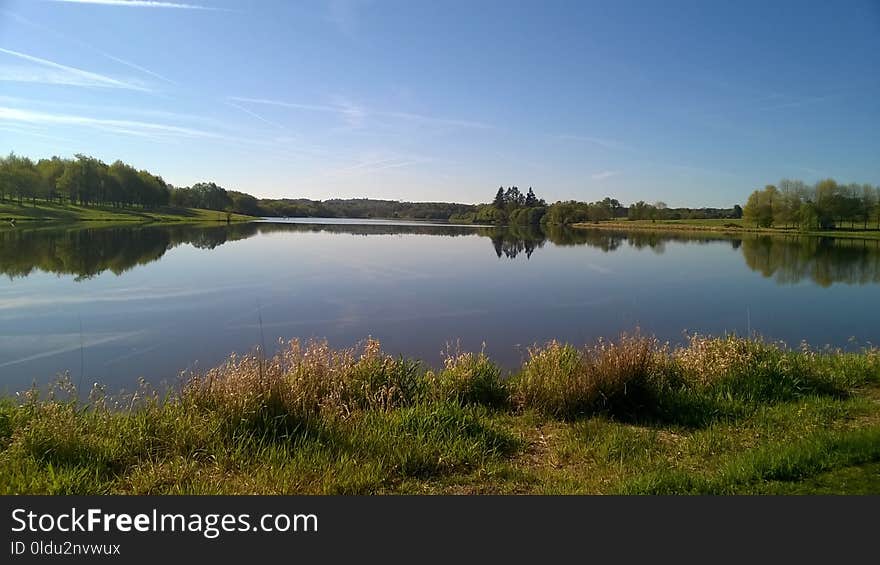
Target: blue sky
[(692, 103)]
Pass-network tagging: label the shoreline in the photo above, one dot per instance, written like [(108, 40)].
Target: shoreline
[(13, 214), (721, 415), (728, 229)]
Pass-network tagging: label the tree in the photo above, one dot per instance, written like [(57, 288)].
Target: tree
[(244, 203), (808, 216), (19, 178), (786, 208), (50, 171), (759, 207), (658, 211), (639, 211), (531, 199), (737, 211), (869, 203), (829, 202), (499, 198), (513, 198)]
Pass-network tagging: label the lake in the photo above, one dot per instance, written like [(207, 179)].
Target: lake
[(111, 304)]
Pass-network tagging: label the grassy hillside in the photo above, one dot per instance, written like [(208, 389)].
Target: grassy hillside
[(70, 213), (720, 415), (726, 226)]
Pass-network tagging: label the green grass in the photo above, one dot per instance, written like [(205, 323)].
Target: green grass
[(729, 226), (718, 416), (858, 479), (44, 211)]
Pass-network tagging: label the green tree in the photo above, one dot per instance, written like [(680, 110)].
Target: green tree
[(19, 178), (759, 207), (499, 198), (50, 171), (513, 198), (868, 203), (808, 216), (639, 211), (787, 206)]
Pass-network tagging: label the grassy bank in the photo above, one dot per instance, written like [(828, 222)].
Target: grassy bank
[(720, 415), (44, 211), (725, 226)]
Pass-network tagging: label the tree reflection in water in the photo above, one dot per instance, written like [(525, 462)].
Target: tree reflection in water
[(89, 251)]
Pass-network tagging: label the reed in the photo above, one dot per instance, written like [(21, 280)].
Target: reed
[(634, 415)]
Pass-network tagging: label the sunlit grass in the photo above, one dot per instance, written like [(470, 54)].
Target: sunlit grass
[(50, 211), (731, 225), (718, 415)]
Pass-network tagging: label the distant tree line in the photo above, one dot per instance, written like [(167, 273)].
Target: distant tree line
[(511, 206), (660, 211), (87, 181), (824, 205), (82, 180)]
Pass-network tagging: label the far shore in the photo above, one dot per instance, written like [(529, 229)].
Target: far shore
[(725, 226), (45, 212)]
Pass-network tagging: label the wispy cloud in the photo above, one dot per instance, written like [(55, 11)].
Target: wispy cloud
[(56, 73), (113, 111), (355, 115), (604, 175), (447, 122), (352, 113), (104, 54), (254, 114), (376, 165), (294, 105), (140, 4), (124, 127), (602, 142), (137, 67), (37, 133)]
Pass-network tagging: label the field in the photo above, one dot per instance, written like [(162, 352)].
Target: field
[(70, 213), (720, 415), (728, 225)]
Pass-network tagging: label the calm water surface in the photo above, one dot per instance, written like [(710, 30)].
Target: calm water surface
[(151, 301)]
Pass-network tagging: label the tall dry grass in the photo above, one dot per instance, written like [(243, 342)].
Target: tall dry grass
[(304, 383), (562, 381), (317, 419), (759, 370), (467, 378)]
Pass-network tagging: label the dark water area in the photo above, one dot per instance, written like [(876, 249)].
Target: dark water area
[(111, 304)]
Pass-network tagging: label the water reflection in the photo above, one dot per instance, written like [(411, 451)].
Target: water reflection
[(822, 260), (90, 251)]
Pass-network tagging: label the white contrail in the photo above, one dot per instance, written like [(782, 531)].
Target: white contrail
[(139, 4), (254, 114), (136, 67), (93, 79), (130, 127), (354, 114)]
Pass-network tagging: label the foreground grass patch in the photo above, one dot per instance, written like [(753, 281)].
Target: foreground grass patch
[(815, 454), (719, 415)]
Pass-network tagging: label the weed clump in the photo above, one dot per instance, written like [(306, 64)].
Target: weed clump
[(303, 384), (562, 381), (468, 378)]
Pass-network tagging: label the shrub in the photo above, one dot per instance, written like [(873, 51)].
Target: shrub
[(468, 378), (562, 381), (755, 370), (303, 384)]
